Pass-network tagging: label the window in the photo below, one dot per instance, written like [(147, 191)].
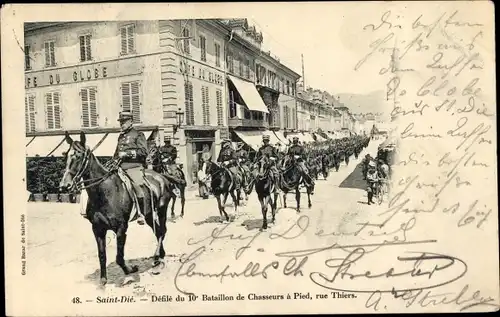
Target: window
[(203, 48), (27, 60), (247, 68), (220, 108), (287, 87), (188, 102), (89, 107), (131, 99), (186, 36), (257, 70), (29, 114), (128, 39), (293, 89), (217, 54), (50, 56), (85, 51), (240, 66), (230, 62), (205, 105), (53, 110)]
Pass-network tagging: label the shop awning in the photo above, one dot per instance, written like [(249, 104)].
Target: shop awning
[(281, 137), (319, 138), (274, 139), (249, 94), (103, 144), (252, 138), (44, 145), (307, 137)]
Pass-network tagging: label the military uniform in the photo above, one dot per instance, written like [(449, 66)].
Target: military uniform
[(267, 150), (168, 154), (298, 150), (228, 155), (132, 150)]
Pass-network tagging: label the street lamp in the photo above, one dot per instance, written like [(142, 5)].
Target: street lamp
[(179, 115)]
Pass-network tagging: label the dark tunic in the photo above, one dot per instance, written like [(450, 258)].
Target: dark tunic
[(133, 143)]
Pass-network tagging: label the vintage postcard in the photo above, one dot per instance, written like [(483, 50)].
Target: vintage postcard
[(249, 158)]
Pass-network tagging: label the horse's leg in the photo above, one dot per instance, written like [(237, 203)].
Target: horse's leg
[(236, 200), (274, 203), (263, 206), (297, 197), (309, 197), (220, 206), (284, 199), (100, 237), (172, 211), (121, 238), (183, 199)]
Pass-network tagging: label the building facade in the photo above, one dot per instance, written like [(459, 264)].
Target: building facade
[(193, 83), (79, 76)]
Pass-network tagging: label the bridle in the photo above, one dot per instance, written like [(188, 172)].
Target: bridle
[(77, 183)]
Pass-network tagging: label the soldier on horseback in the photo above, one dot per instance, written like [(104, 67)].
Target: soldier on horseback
[(229, 160), (297, 153), (272, 153), (168, 155), (132, 150)]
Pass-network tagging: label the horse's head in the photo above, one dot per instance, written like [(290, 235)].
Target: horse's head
[(263, 165), (77, 161)]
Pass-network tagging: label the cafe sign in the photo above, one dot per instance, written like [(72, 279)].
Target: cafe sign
[(201, 72), (84, 73)]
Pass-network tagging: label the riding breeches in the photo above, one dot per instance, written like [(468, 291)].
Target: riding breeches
[(138, 178), (305, 173)]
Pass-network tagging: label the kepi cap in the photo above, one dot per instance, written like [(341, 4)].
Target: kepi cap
[(125, 115)]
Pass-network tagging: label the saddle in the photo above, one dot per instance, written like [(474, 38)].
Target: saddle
[(132, 189)]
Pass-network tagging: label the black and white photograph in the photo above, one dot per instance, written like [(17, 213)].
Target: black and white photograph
[(250, 158)]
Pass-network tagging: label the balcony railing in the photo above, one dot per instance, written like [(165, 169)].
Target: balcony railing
[(251, 123)]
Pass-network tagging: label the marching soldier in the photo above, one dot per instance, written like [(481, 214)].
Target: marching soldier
[(132, 150), (297, 150)]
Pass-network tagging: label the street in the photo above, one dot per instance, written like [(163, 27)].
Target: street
[(62, 253)]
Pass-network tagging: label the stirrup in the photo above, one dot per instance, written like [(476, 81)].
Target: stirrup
[(140, 219)]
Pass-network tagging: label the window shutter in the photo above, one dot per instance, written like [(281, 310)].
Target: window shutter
[(188, 96), (205, 105), (84, 94), (124, 40), (32, 112), (93, 107), (27, 64), (126, 97), (131, 39), (47, 53), (57, 111), (136, 101), (220, 109), (82, 48), (52, 54), (26, 114), (88, 47), (50, 111)]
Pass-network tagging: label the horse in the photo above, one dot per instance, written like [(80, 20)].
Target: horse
[(247, 181), (265, 189), (290, 178), (222, 183), (110, 205), (177, 180)]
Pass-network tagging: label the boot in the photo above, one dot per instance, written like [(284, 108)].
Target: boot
[(140, 216)]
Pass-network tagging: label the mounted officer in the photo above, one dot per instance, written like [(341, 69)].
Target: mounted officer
[(243, 159), (168, 154), (297, 153), (272, 153), (132, 150), (229, 159)]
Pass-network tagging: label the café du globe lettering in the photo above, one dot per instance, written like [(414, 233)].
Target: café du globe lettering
[(82, 74), (203, 73)]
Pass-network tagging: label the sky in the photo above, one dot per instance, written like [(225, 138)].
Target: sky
[(329, 36)]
